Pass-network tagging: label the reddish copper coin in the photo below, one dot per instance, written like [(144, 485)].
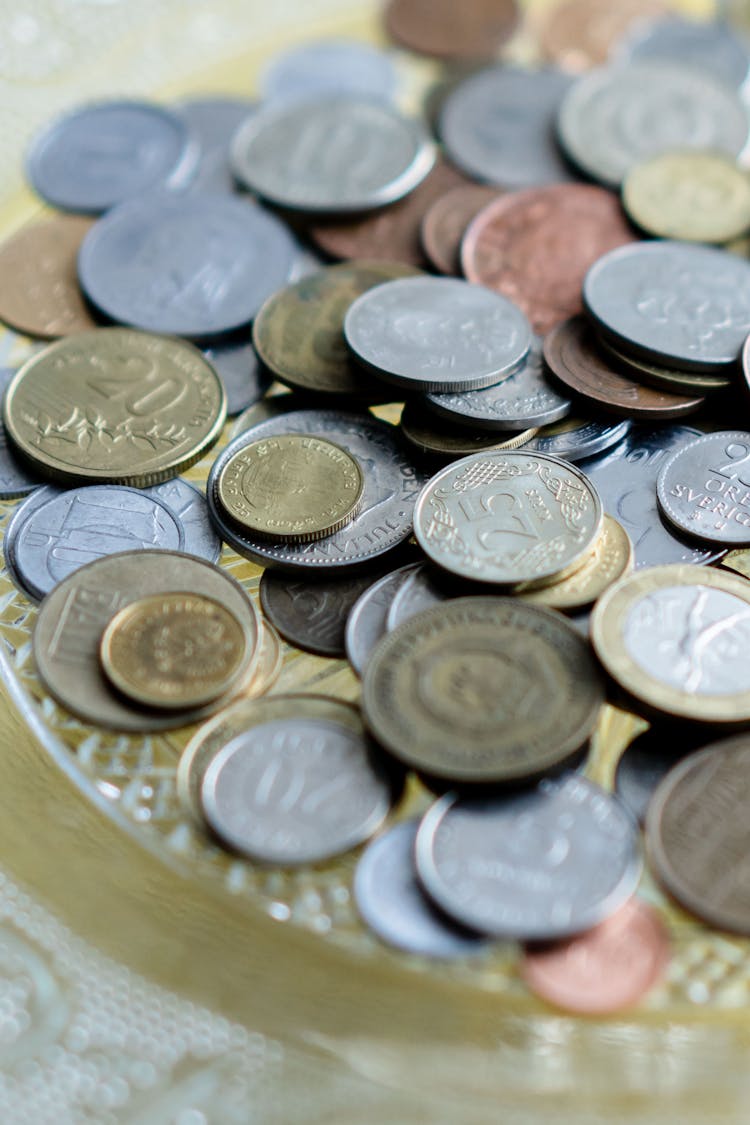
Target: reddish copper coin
[(391, 234), (572, 356), (579, 34), (536, 246), (606, 969), (447, 29), (445, 223)]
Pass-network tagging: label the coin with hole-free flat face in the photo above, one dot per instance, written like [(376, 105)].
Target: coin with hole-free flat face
[(438, 28), (189, 505), (444, 224), (436, 437), (329, 66), (702, 488), (574, 438), (235, 361), (482, 689), (213, 121), (610, 560), (367, 620)]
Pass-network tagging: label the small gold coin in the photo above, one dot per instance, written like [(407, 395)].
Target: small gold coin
[(444, 439), (694, 196), (294, 487), (175, 651), (610, 560), (114, 406)]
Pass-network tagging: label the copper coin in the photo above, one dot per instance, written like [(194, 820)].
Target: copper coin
[(472, 29), (444, 225), (572, 356), (579, 34), (39, 291), (536, 246), (391, 234), (606, 969)]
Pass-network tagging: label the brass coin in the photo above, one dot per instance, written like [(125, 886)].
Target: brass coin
[(482, 689), (663, 378), (175, 651), (442, 439), (114, 406), (73, 617), (610, 560), (294, 487), (677, 639), (39, 290), (693, 196), (299, 331)]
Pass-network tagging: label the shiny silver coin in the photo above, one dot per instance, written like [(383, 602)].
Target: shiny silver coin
[(679, 304), (236, 363), (333, 66), (418, 591), (54, 532), (16, 479), (704, 488), (194, 266), (392, 903), (436, 334), (524, 399), (538, 866), (366, 622), (100, 155), (332, 153), (617, 116), (710, 46), (575, 439), (296, 791), (189, 505), (213, 121), (498, 126)]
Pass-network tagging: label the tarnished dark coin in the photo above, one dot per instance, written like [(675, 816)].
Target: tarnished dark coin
[(438, 27), (436, 437), (649, 758), (367, 621), (573, 439), (704, 488), (445, 223)]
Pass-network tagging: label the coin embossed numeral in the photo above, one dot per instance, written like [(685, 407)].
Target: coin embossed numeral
[(739, 462), (507, 512), (142, 397)]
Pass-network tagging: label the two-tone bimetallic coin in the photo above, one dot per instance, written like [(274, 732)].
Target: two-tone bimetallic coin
[(704, 488), (367, 620)]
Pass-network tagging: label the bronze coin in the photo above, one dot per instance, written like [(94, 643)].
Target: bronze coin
[(39, 290), (444, 225), (572, 356), (393, 233), (579, 34), (473, 29), (536, 246)]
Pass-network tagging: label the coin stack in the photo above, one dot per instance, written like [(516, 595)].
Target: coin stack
[(457, 456)]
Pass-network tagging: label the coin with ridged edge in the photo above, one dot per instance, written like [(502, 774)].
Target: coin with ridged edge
[(610, 560), (704, 488)]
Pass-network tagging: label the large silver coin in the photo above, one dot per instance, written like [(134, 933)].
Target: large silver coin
[(366, 623), (296, 791), (15, 479), (341, 66), (189, 505), (614, 117), (392, 903), (524, 399), (332, 153), (704, 488), (418, 591), (575, 439), (436, 333), (213, 121), (710, 46), (538, 866), (508, 517), (499, 127), (676, 303)]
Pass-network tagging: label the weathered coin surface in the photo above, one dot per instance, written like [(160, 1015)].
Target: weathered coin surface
[(436, 334), (711, 46), (580, 34), (444, 224), (392, 903), (17, 478), (537, 865), (213, 121), (704, 488), (189, 504), (295, 487), (482, 689), (114, 406), (677, 638), (296, 790), (524, 398), (698, 834), (341, 66), (366, 622), (175, 651), (39, 290), (331, 153), (508, 517), (615, 117), (437, 27), (664, 378), (649, 758), (672, 302), (498, 126), (571, 354), (100, 155), (193, 266), (438, 438), (418, 591), (74, 615), (235, 361), (692, 196), (610, 560), (573, 439)]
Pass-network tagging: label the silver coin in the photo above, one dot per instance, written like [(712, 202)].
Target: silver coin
[(525, 399), (538, 866), (194, 266), (679, 304), (617, 116), (499, 127), (366, 623), (625, 478), (392, 903), (436, 333), (236, 363), (702, 488), (332, 153), (392, 484), (189, 505), (100, 155), (16, 479), (418, 591), (333, 66), (648, 759), (576, 439), (213, 121), (295, 791), (55, 532), (709, 46)]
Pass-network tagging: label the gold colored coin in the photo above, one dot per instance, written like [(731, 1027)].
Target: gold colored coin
[(114, 406), (694, 196), (175, 651), (294, 487), (442, 439), (610, 560)]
